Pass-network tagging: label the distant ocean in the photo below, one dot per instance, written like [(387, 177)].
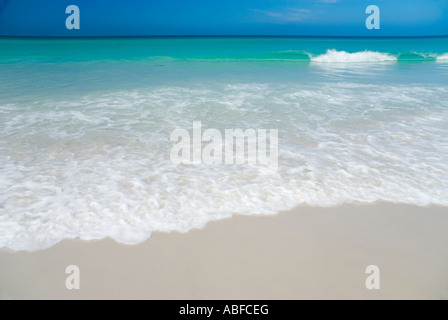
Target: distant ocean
[(85, 130)]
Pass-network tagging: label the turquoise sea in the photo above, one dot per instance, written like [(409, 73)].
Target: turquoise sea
[(85, 130)]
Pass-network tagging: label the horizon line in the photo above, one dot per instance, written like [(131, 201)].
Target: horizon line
[(218, 36)]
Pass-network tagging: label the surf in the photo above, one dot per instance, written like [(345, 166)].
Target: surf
[(78, 175), (334, 56)]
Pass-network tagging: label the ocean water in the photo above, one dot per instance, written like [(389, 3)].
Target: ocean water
[(85, 130)]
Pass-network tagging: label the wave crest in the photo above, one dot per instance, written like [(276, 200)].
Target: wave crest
[(443, 58), (345, 57)]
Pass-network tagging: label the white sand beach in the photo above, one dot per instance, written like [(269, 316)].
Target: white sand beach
[(307, 253)]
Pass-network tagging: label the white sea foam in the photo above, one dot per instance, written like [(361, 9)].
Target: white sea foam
[(99, 167), (332, 56), (443, 58)]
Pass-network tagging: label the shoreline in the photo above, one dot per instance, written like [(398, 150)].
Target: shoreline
[(305, 253)]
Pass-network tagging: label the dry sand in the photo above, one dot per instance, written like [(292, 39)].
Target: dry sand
[(308, 253)]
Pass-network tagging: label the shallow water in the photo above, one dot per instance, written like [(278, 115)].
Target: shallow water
[(85, 130)]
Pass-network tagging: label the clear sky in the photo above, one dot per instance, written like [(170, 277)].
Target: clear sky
[(224, 17)]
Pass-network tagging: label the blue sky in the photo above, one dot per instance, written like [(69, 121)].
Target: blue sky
[(224, 17)]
